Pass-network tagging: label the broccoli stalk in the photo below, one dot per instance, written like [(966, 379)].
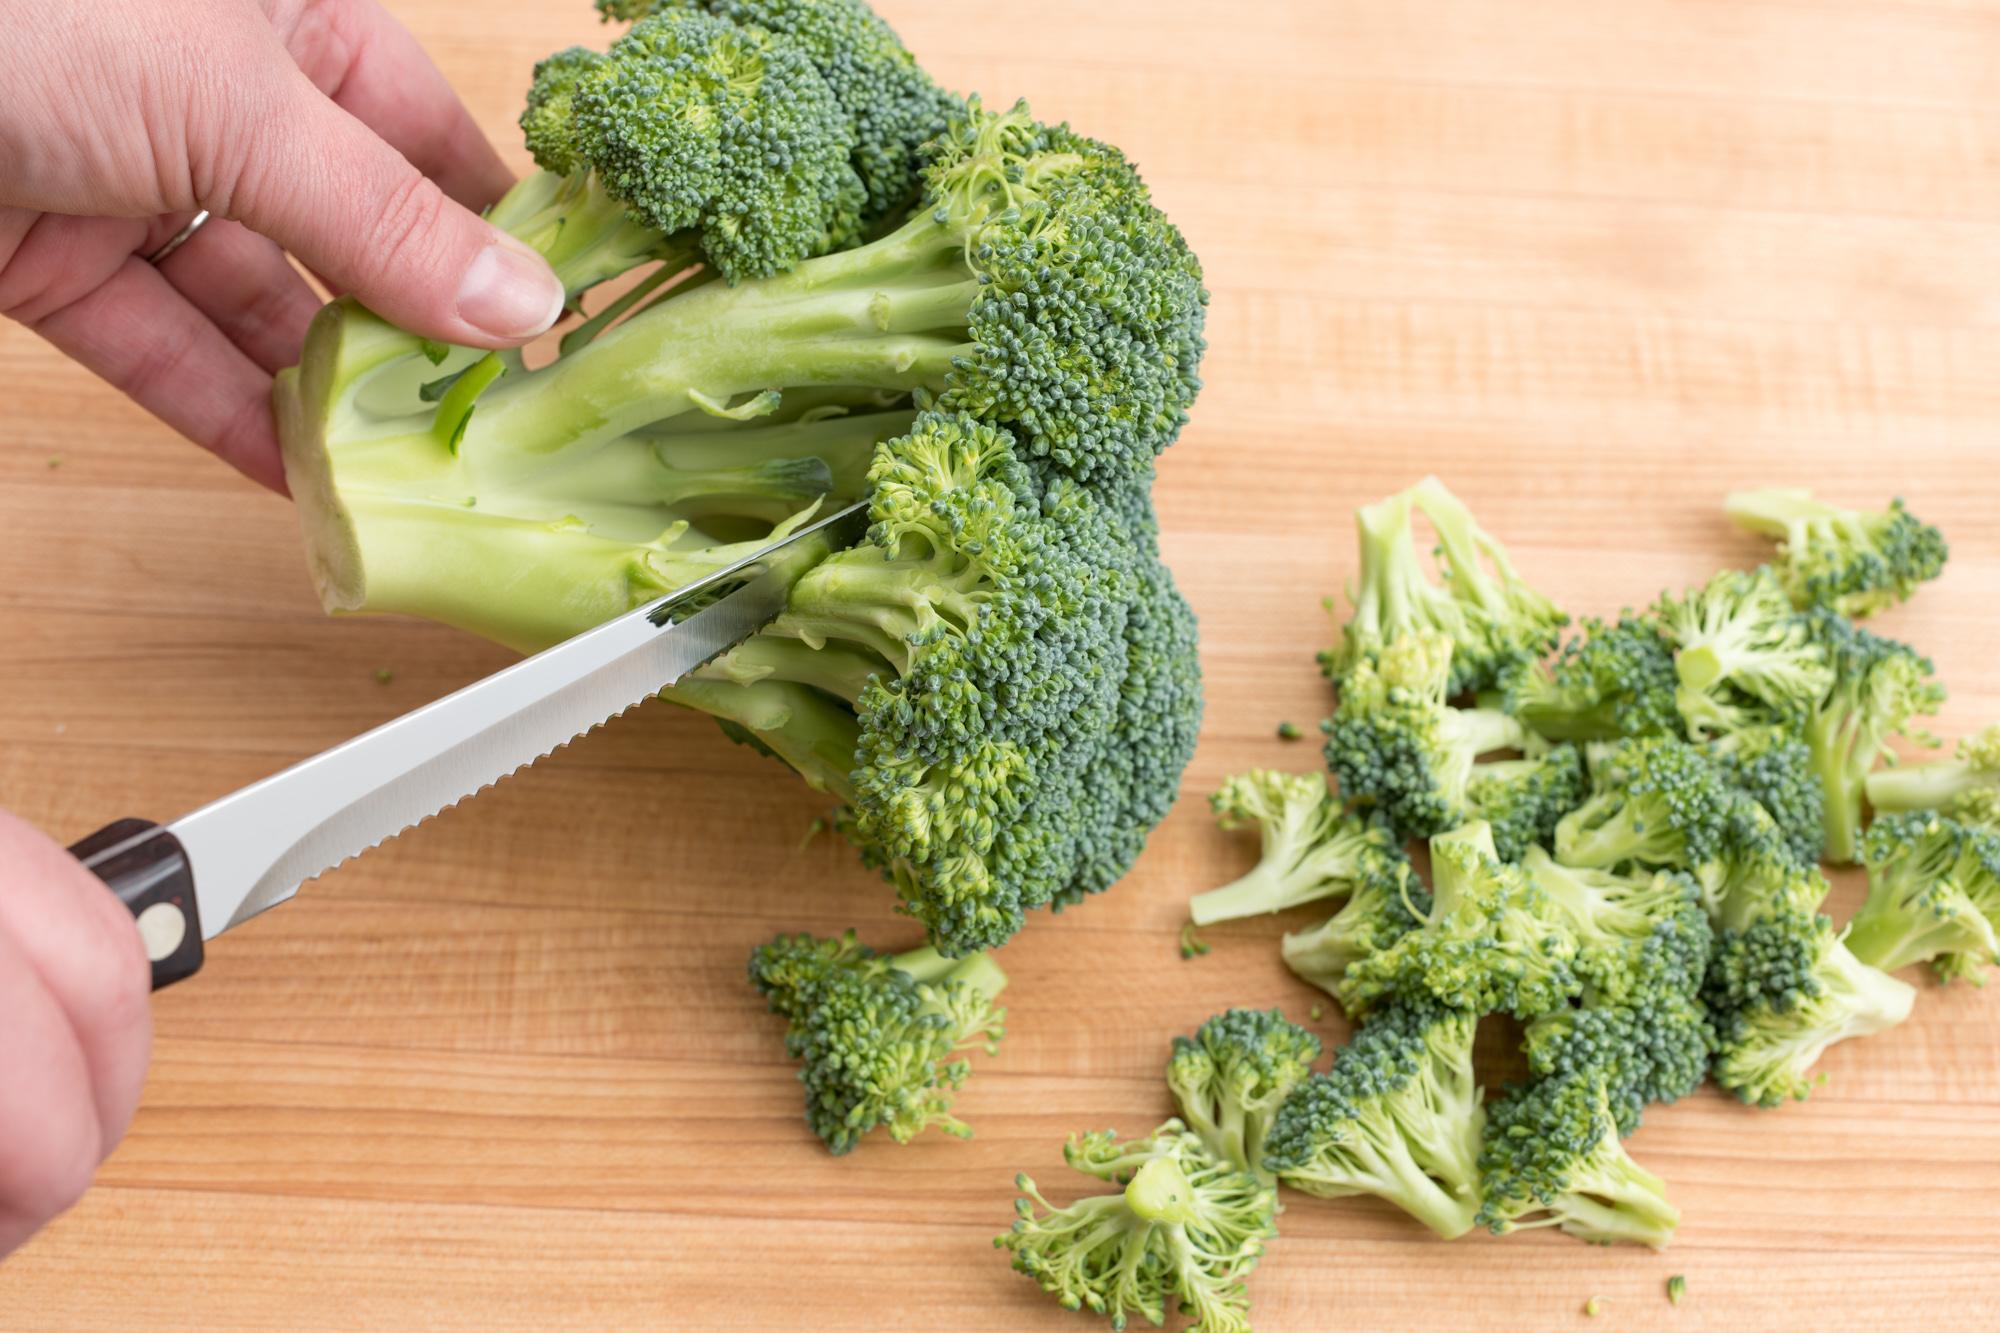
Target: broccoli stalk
[(1231, 1077), (1855, 562), (1310, 851), (879, 1040), (1184, 1233), (1933, 894), (1966, 787)]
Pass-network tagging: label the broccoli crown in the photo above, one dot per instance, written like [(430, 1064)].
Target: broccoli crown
[(1310, 849), (1616, 680), (1880, 687), (698, 125), (1552, 1157), (1656, 801), (1491, 942), (1783, 989), (1398, 1116), (1739, 644), (1524, 799), (1854, 562), (1397, 747), (1648, 1037), (1966, 786), (1774, 767), (1230, 1078), (878, 1039), (1183, 1234), (1492, 617), (1933, 893), (1377, 913)]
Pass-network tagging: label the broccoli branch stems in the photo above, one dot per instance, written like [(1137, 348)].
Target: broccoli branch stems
[(1934, 786), (1621, 1203), (1834, 740), (801, 726), (1484, 730), (1274, 884)]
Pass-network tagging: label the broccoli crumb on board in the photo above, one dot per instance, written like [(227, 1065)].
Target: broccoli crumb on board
[(1192, 945), (1676, 1288), (1289, 731)]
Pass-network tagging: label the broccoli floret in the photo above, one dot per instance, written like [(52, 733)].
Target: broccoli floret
[(1760, 878), (1611, 916), (1854, 562), (1524, 799), (1230, 1078), (1966, 787), (1736, 638), (1783, 989), (1933, 895), (1395, 746), (1655, 801), (1398, 1116), (1552, 1157), (1774, 767), (1616, 680), (1379, 912), (1184, 1233), (1491, 941), (1310, 849), (879, 1039), (1492, 617), (1880, 687)]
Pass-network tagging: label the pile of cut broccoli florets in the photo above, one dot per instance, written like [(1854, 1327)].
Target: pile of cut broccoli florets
[(1624, 837)]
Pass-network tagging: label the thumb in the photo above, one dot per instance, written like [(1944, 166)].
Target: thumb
[(352, 209)]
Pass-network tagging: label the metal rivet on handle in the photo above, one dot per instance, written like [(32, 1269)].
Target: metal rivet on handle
[(163, 927)]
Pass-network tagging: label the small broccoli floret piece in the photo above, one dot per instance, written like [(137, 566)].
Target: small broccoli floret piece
[(1774, 767), (1854, 562), (1310, 849), (1933, 893), (1397, 747), (1552, 1157), (1490, 942), (1379, 912), (1880, 688), (1616, 680), (1398, 1116), (1492, 618), (1524, 799), (1966, 787), (1738, 637), (879, 1040), (1611, 916), (1184, 1234), (1760, 878), (1230, 1078), (1655, 801), (1783, 989)]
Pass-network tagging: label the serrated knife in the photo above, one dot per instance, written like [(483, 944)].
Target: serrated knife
[(213, 869)]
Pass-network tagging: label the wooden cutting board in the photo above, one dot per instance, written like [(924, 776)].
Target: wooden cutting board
[(1594, 263)]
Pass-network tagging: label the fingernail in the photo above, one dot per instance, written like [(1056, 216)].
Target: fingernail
[(510, 292)]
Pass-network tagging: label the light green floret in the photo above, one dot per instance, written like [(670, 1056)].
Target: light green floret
[(1230, 1078), (1379, 912), (1183, 1235), (1855, 562), (1737, 641), (1966, 787), (1933, 896), (1310, 849)]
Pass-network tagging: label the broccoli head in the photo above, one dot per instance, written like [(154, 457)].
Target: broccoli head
[(1880, 688), (1933, 896), (1310, 849), (1617, 680), (1854, 562), (1552, 1157), (1230, 1078), (1524, 799), (880, 1040), (1966, 787), (1398, 1116), (1396, 746), (1183, 1234)]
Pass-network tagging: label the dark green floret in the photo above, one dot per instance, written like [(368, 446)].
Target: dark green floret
[(1880, 688), (1774, 767), (1310, 849), (1614, 680), (1552, 1157), (1398, 1116), (880, 1040), (1854, 562), (1524, 799), (1183, 1234), (1230, 1078), (1933, 896)]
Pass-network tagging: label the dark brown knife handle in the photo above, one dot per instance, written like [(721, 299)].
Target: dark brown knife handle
[(154, 880)]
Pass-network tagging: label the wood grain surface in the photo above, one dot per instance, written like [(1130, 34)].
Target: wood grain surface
[(1593, 262)]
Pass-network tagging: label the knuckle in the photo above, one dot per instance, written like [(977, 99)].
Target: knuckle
[(406, 222)]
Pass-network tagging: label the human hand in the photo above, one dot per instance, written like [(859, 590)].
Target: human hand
[(317, 127), (76, 1028)]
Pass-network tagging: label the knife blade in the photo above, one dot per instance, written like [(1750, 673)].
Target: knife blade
[(218, 866)]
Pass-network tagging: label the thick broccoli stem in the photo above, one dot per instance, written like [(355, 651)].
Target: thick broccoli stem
[(1484, 730), (1933, 786), (1272, 885), (801, 726), (1161, 1192), (844, 442), (1840, 760)]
